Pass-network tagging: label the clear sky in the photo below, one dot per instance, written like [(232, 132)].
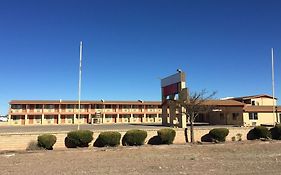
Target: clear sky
[(129, 45)]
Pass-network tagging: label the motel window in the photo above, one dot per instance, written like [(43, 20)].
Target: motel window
[(135, 106), (98, 106), (16, 106), (49, 106), (16, 117), (253, 103), (235, 116), (125, 106), (253, 116), (82, 106), (107, 106), (37, 106), (69, 106)]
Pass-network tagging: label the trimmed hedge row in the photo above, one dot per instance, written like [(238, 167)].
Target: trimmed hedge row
[(262, 132), (46, 141), (219, 134), (134, 137), (79, 138), (164, 136), (276, 132), (258, 132), (109, 138)]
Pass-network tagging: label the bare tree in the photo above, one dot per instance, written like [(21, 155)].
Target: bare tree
[(194, 104)]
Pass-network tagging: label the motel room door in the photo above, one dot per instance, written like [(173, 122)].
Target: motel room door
[(30, 119), (22, 118), (56, 119), (114, 118), (86, 119)]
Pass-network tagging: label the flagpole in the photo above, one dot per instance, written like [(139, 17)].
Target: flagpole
[(273, 90), (79, 86)]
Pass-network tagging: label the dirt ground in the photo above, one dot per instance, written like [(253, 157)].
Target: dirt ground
[(249, 157)]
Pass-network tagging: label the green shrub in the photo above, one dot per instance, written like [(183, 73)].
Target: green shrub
[(261, 132), (276, 132), (167, 135), (79, 138), (108, 139), (219, 134), (134, 137), (46, 141)]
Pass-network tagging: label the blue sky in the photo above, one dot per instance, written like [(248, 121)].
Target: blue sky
[(223, 46)]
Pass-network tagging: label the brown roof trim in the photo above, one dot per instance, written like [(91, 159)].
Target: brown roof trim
[(83, 102), (209, 102), (261, 108), (220, 103), (224, 103), (253, 96)]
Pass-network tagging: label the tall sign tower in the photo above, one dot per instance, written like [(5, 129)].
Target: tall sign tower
[(173, 90)]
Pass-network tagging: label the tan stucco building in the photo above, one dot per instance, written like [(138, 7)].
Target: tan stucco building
[(240, 111), (30, 112), (260, 110)]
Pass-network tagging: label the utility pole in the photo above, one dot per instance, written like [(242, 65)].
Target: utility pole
[(79, 86), (274, 109)]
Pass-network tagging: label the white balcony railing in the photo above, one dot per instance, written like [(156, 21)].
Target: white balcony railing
[(125, 110), (16, 110), (38, 110), (108, 110), (49, 110), (151, 110)]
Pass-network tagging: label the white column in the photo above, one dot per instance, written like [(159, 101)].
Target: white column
[(131, 118), (25, 119), (117, 119), (42, 119), (59, 119), (74, 119)]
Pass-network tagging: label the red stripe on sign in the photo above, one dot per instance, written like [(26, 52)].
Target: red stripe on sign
[(171, 89)]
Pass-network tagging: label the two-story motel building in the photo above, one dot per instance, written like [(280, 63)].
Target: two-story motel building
[(241, 111), (34, 112)]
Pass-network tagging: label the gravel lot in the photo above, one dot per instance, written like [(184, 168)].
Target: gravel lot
[(247, 157)]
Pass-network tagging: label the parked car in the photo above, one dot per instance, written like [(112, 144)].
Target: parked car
[(3, 118)]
